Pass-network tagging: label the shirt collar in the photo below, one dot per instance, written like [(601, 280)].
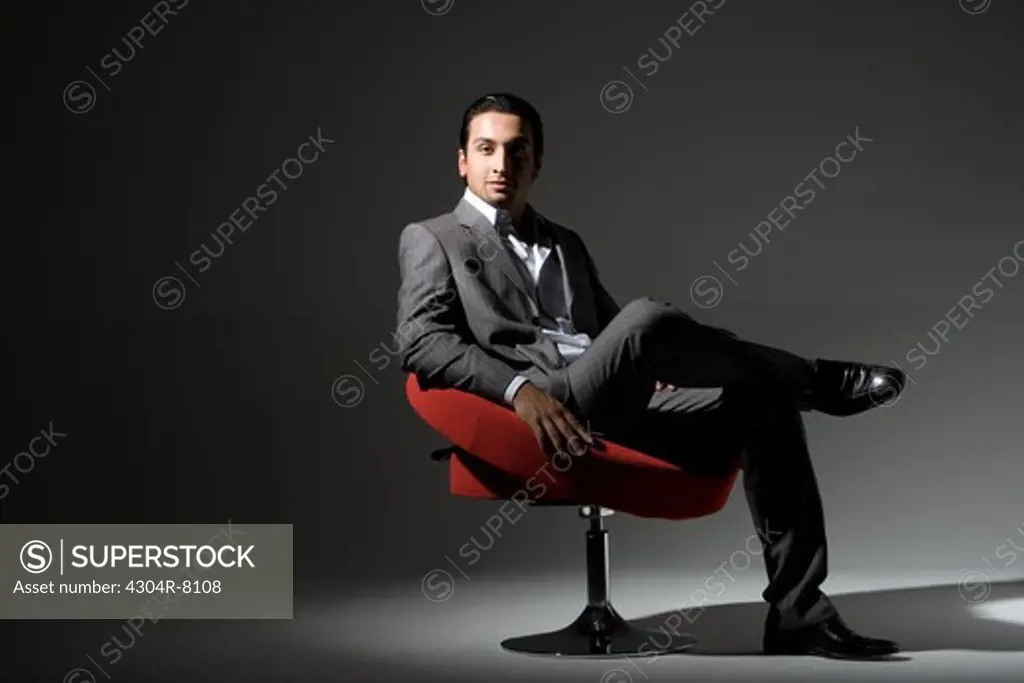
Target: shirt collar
[(490, 212)]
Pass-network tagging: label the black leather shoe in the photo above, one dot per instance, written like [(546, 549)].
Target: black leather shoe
[(829, 638), (842, 388)]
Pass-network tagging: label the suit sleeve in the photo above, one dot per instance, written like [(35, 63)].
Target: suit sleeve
[(607, 308), (432, 323)]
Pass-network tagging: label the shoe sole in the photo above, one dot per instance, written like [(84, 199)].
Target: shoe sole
[(783, 650)]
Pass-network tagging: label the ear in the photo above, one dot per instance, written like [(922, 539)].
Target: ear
[(462, 163)]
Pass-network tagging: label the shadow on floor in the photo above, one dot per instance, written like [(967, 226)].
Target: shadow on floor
[(918, 619)]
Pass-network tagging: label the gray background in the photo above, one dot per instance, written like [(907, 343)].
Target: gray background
[(223, 407)]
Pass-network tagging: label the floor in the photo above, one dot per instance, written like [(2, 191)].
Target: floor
[(391, 632)]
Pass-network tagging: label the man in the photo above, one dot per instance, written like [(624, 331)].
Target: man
[(500, 301)]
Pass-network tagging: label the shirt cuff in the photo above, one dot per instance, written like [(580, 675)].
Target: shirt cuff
[(513, 387)]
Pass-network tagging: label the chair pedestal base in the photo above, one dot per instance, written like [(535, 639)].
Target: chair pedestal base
[(597, 631)]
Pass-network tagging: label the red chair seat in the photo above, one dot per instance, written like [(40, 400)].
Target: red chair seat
[(502, 460)]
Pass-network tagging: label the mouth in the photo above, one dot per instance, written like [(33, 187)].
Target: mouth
[(500, 184)]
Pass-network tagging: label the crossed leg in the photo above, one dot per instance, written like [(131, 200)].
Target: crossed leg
[(737, 402)]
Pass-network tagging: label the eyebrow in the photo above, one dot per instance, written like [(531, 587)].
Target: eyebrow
[(520, 139)]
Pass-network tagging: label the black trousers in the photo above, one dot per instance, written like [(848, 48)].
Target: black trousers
[(737, 401)]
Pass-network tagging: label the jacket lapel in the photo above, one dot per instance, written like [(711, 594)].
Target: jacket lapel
[(575, 276), (483, 232)]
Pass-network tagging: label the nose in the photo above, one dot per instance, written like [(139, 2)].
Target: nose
[(501, 161)]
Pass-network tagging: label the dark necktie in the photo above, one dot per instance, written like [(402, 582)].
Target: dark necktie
[(549, 290), (551, 294)]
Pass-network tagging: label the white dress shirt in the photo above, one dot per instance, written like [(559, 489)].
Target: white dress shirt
[(532, 257)]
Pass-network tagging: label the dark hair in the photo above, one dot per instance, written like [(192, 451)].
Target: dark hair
[(506, 103)]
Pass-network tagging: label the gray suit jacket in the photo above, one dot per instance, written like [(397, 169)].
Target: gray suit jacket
[(465, 317)]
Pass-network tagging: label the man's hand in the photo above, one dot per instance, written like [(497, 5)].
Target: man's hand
[(555, 427), (661, 386)]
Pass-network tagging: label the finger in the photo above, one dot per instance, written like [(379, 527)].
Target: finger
[(571, 442), (554, 444), (541, 442), (577, 446), (541, 435), (578, 441), (578, 428), (566, 433)]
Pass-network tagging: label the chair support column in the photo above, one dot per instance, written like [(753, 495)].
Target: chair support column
[(597, 563), (599, 630)]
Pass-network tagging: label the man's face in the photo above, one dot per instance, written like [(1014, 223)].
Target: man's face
[(499, 163)]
